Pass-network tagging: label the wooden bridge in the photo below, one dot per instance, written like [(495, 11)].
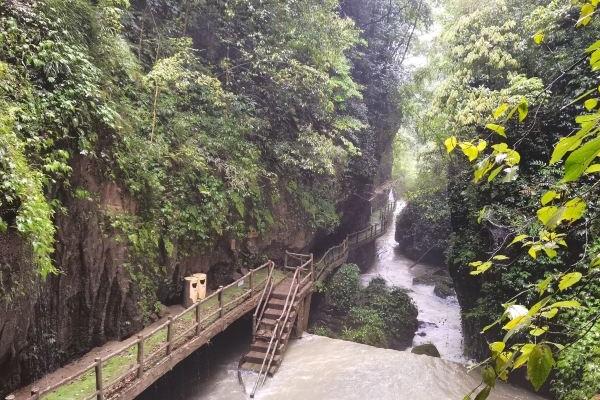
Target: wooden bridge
[(280, 298)]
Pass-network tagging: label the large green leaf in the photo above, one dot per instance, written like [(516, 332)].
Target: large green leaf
[(573, 209), (500, 130), (580, 159), (563, 146), (549, 196), (539, 365), (550, 216), (450, 143), (501, 110), (569, 280), (523, 109)]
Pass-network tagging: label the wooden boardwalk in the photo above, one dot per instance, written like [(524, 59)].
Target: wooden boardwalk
[(128, 371)]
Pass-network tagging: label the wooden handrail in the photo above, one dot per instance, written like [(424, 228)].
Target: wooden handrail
[(138, 343), (331, 256)]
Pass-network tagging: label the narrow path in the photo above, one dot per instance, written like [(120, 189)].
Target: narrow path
[(89, 357)]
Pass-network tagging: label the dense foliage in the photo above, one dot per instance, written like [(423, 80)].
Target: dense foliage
[(517, 95), (208, 114), (377, 315)]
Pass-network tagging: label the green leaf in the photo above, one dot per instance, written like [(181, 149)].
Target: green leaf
[(483, 395), (497, 347), (533, 252), (579, 160), (549, 216), (538, 38), (489, 376), (550, 252), (494, 173), (543, 285), (537, 331), (550, 314), (549, 196), (451, 143), (482, 268), (524, 357), (481, 145), (539, 365), (513, 323), (566, 304), (593, 47), (500, 130), (592, 169), (569, 280), (587, 10), (500, 257), (574, 209), (590, 104), (523, 109), (563, 146), (501, 110), (470, 150), (518, 239), (595, 262)]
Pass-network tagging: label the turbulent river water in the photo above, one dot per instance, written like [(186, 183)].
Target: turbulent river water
[(318, 368)]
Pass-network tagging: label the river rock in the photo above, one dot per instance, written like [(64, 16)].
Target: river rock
[(443, 290), (431, 279), (427, 349)]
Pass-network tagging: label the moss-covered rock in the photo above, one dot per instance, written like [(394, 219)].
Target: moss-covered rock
[(377, 315)]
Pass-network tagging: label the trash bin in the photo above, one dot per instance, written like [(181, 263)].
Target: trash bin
[(201, 286), (195, 289)]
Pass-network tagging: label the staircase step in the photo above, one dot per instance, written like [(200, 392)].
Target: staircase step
[(258, 357), (269, 323), (266, 334), (248, 366), (280, 295), (276, 304), (272, 313), (262, 345)]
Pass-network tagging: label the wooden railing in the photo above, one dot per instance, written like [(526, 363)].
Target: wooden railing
[(337, 255), (107, 375), (264, 299)]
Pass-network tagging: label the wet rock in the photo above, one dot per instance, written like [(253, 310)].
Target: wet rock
[(426, 324), (431, 279), (443, 290), (427, 349)]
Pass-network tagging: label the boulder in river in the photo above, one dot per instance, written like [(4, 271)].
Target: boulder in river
[(431, 279), (427, 349), (443, 290)]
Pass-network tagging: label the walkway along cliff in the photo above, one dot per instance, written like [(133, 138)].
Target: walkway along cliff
[(281, 299)]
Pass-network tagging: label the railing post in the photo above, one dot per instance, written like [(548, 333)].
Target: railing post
[(250, 282), (220, 295), (285, 259), (170, 335), (140, 356), (99, 384), (198, 327)]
